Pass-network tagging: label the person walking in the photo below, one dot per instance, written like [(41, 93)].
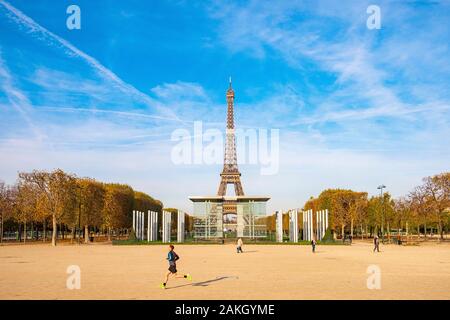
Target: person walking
[(172, 257), (239, 246), (376, 244), (313, 245)]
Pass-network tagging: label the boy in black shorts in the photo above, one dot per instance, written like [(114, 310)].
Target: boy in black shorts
[(172, 257)]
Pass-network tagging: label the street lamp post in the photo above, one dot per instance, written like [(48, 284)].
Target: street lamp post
[(381, 187)]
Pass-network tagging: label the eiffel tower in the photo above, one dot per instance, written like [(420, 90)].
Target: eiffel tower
[(230, 173)]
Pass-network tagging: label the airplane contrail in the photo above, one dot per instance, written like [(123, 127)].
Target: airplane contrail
[(22, 19)]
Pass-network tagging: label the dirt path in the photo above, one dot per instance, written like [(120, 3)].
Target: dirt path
[(261, 272)]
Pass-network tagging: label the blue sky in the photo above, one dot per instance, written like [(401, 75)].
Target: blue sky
[(355, 107)]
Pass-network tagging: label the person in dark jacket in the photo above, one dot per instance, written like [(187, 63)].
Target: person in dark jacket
[(376, 244), (172, 257), (313, 245)]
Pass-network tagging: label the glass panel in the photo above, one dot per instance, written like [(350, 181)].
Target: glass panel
[(207, 220), (250, 219)]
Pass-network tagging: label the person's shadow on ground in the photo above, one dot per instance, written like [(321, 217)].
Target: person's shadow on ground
[(204, 283)]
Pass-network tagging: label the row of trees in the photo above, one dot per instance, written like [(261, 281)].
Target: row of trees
[(57, 198), (426, 207)]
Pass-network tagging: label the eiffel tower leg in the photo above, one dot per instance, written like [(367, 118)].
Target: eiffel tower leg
[(222, 188), (238, 188)]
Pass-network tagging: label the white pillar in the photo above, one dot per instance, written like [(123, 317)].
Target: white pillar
[(293, 226), (133, 228), (304, 227), (154, 226), (137, 225), (317, 226), (148, 226), (167, 222), (151, 225), (164, 226), (142, 225), (323, 224), (295, 213), (180, 226), (310, 225), (279, 226), (307, 225)]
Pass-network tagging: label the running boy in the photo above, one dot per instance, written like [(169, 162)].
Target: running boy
[(172, 257)]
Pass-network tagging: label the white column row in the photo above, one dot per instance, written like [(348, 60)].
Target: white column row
[(308, 228), (138, 224), (152, 226), (166, 226), (322, 223), (293, 225)]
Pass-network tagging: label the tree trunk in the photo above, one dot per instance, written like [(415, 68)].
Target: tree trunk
[(1, 228), (86, 233), (388, 231), (441, 230), (342, 231), (19, 234), (425, 230), (407, 231), (55, 230), (44, 238), (109, 233), (25, 232), (351, 227), (73, 234)]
